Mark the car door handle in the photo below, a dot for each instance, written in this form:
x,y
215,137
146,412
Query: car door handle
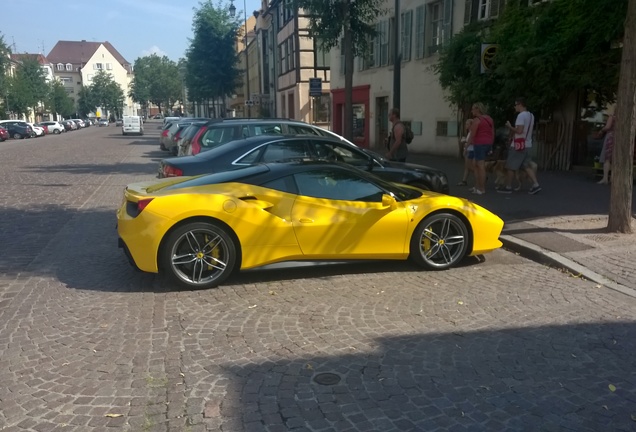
x,y
305,220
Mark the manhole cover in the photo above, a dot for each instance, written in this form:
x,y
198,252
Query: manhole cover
x,y
327,379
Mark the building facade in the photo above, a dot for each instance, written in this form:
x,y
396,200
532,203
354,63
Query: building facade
x,y
424,27
76,62
289,58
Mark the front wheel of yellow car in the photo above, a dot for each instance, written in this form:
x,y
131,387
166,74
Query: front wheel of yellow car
x,y
440,241
199,255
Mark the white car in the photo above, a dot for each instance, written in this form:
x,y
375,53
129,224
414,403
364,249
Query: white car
x,y
54,127
37,130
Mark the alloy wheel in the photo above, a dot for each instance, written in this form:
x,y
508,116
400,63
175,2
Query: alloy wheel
x,y
200,256
443,241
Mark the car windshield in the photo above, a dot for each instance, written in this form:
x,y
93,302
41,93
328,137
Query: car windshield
x,y
398,191
239,175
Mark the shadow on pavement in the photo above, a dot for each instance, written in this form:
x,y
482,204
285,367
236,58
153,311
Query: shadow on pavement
x,y
149,168
564,193
520,379
59,241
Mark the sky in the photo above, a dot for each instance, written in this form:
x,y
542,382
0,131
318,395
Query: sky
x,y
134,27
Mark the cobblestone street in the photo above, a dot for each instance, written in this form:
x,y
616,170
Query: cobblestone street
x,y
88,344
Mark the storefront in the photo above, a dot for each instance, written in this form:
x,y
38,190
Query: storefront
x,y
361,114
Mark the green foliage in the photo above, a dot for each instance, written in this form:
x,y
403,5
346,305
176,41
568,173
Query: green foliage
x,y
211,64
106,93
546,53
27,87
4,66
85,101
58,100
156,80
327,21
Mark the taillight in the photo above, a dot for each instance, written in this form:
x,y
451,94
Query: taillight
x,y
196,148
170,171
175,138
142,204
165,133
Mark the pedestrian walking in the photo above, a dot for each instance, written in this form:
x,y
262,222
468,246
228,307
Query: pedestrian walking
x,y
518,153
608,147
469,155
397,146
481,137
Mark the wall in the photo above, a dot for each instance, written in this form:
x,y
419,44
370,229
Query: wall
x,y
422,98
118,72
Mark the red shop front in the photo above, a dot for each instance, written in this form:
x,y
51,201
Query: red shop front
x,y
361,117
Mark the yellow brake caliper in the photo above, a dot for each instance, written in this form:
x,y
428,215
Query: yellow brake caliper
x,y
214,253
426,242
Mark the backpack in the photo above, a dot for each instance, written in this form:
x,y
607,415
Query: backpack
x,y
408,133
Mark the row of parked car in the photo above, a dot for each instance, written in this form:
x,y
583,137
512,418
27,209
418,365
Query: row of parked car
x,y
203,146
19,129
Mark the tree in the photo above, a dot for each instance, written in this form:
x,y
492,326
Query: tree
x,y
58,100
545,53
346,22
85,101
28,87
211,60
620,212
156,80
5,52
106,93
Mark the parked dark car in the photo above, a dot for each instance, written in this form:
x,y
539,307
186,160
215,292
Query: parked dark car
x,y
4,134
264,149
18,129
68,125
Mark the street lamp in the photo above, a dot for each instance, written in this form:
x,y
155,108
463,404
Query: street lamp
x,y
397,58
232,11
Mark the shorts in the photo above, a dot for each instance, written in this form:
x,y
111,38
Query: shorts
x,y
518,159
470,154
481,151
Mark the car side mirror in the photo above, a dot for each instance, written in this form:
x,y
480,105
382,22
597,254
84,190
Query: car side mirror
x,y
371,163
388,201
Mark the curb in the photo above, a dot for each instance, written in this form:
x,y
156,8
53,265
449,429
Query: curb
x,y
543,256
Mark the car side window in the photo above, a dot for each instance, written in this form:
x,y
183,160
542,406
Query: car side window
x,y
283,184
216,136
337,185
266,129
340,152
279,151
301,130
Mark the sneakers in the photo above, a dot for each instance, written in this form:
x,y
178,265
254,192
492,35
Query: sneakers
x,y
534,189
506,190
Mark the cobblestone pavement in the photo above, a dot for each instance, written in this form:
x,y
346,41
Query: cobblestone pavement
x,y
87,344
609,254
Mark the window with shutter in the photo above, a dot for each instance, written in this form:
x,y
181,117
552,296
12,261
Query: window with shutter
x,y
406,30
447,30
420,31
468,11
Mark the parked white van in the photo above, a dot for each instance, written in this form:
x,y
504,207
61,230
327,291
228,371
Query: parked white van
x,y
132,125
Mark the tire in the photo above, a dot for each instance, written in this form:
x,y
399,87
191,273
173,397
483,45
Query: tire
x,y
190,242
17,136
440,241
57,132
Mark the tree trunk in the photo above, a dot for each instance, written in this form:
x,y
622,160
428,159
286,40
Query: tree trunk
x,y
348,54
620,212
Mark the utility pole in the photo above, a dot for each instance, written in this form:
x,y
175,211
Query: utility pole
x,y
397,58
348,71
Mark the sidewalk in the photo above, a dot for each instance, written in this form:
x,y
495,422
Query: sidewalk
x,y
563,225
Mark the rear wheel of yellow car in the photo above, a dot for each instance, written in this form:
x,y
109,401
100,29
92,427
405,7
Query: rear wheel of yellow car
x,y
440,241
199,255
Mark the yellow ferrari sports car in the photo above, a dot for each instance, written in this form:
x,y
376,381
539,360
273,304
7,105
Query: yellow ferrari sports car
x,y
199,230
